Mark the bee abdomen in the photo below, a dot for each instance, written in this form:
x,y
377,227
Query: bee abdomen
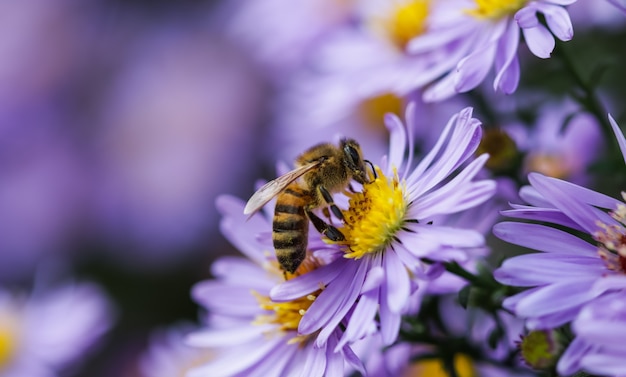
x,y
290,228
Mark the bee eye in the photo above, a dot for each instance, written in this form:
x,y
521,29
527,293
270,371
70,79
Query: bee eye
x,y
354,155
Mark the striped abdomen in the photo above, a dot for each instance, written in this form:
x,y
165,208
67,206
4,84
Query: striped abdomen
x,y
290,228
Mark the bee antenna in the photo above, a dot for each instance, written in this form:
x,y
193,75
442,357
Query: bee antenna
x,y
372,166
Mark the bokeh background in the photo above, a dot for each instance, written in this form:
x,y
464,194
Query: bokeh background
x,y
122,121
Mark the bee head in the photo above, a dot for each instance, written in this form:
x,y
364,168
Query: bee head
x,y
354,160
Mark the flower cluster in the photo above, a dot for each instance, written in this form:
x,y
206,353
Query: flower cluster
x,y
449,197
396,239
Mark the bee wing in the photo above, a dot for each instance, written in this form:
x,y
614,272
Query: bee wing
x,y
274,187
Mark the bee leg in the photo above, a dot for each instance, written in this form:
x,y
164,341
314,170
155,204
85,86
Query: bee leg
x,y
326,229
351,189
326,213
331,203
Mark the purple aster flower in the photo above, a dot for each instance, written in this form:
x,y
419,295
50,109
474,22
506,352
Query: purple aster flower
x,y
44,334
479,34
600,331
389,233
571,271
250,334
556,152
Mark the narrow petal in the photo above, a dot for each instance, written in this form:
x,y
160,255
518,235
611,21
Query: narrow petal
x,y
441,90
549,215
569,362
226,337
542,238
315,363
539,41
362,318
348,292
397,140
237,361
373,280
619,135
569,198
558,20
530,270
472,70
397,282
389,321
327,303
609,283
308,283
506,62
580,193
555,297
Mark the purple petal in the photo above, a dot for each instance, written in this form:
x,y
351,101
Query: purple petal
x,y
558,21
315,363
234,362
225,299
275,362
580,193
308,283
569,362
539,41
397,282
346,294
389,321
542,238
397,140
335,360
473,69
539,269
553,320
572,199
555,297
362,318
226,337
553,216
353,360
441,90
619,135
242,272
606,364
526,17
609,283
506,62
373,280
561,2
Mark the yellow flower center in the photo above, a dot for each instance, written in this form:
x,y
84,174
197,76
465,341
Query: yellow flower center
x,y
547,164
8,340
541,349
435,368
373,110
612,240
496,9
287,315
406,21
374,215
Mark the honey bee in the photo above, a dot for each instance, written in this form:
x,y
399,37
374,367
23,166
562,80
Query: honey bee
x,y
324,169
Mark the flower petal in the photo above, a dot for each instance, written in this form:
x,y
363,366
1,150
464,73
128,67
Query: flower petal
x,y
539,41
619,135
542,238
